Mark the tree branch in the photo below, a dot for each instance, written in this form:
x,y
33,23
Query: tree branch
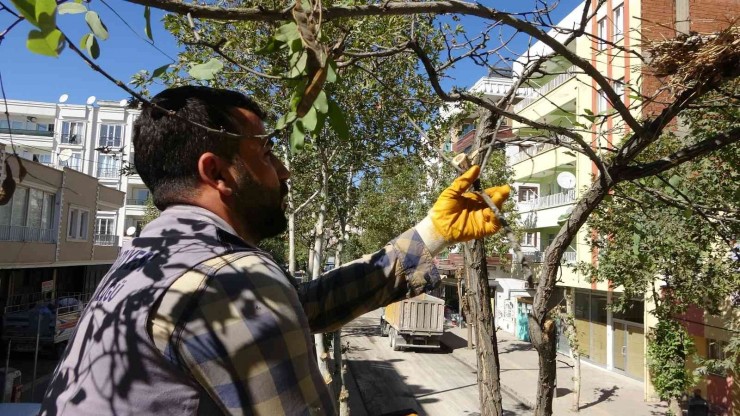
x,y
718,141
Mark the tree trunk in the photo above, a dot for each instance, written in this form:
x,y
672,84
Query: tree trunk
x,y
575,350
291,217
541,325
318,248
489,388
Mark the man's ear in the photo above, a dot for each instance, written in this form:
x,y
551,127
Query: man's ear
x,y
214,173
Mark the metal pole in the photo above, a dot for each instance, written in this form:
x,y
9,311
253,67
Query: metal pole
x,y
36,355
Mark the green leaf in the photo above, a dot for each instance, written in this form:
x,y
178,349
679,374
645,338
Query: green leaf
x,y
298,63
287,33
284,120
295,45
337,121
687,213
675,181
160,71
71,8
657,183
297,137
271,46
96,25
310,119
90,44
206,71
27,9
148,26
331,73
587,111
48,44
321,103
46,17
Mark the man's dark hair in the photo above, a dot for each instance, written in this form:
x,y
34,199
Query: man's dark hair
x,y
167,148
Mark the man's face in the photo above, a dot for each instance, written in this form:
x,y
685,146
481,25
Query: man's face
x,y
261,190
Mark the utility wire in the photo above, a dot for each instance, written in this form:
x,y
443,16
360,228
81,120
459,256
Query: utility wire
x,y
146,40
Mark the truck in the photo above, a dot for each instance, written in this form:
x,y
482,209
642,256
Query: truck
x,y
54,318
417,322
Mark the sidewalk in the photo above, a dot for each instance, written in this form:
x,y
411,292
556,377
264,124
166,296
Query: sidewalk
x,y
602,392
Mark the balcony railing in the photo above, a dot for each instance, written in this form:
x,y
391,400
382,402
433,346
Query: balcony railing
x,y
136,202
536,149
27,132
105,240
16,233
538,257
549,201
107,172
537,93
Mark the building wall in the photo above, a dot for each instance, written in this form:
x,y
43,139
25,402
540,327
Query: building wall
x,y
93,117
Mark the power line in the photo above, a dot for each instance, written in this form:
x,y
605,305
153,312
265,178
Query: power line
x,y
137,33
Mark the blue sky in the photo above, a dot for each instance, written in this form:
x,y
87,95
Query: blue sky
x,y
28,76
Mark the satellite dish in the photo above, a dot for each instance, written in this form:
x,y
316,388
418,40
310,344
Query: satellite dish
x,y
566,180
63,98
91,100
65,154
130,231
123,103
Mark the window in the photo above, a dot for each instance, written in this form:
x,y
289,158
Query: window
x,y
618,22
601,103
110,135
42,158
108,166
72,132
527,193
619,89
716,349
530,239
19,207
77,224
28,208
602,34
104,226
74,162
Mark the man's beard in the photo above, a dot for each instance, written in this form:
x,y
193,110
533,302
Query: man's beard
x,y
260,208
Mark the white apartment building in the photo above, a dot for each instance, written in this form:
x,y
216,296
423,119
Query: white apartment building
x,y
94,139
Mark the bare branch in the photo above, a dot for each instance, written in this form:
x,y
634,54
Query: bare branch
x,y
718,141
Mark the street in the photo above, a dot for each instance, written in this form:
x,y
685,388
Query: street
x,y
429,381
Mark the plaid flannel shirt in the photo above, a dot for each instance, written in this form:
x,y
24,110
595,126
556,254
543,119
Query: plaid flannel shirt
x,y
244,335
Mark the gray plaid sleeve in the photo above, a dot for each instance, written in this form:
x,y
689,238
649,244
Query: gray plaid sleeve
x,y
403,268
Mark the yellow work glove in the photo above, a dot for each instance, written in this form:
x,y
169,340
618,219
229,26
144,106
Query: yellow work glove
x,y
459,215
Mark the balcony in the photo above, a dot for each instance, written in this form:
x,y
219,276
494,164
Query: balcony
x,y
136,202
26,132
105,240
535,94
536,149
538,257
108,172
27,234
548,201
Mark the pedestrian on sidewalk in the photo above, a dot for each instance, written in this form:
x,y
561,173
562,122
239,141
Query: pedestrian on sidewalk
x,y
194,318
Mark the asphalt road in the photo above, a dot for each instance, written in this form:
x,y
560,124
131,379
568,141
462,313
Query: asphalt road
x,y
428,381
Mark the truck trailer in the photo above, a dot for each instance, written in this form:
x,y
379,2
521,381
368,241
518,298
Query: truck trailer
x,y
417,322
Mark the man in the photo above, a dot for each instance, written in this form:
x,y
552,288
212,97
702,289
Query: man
x,y
194,318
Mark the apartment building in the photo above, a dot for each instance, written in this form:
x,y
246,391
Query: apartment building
x,y
550,178
48,235
94,139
